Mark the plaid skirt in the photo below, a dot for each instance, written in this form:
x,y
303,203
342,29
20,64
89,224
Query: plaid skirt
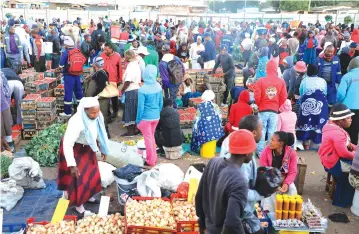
x,y
130,111
81,189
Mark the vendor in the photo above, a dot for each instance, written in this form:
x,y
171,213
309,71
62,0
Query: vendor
x,y
168,132
337,152
78,172
280,155
208,123
183,53
187,90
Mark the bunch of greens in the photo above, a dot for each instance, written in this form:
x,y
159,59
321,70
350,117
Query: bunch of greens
x,y
5,163
188,138
44,147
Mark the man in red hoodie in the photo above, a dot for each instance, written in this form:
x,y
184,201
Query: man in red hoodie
x,y
270,93
113,66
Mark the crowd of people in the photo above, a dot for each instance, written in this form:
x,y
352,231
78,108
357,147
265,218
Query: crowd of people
x,y
302,81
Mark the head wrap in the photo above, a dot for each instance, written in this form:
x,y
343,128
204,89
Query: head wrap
x,y
99,61
88,102
208,96
68,41
224,47
345,50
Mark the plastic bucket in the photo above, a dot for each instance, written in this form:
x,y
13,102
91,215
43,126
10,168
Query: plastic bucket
x,y
208,150
124,187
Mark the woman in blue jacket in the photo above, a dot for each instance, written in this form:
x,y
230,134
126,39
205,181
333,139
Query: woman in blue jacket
x,y
310,45
149,107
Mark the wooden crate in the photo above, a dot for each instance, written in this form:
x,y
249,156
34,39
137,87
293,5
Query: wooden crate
x,y
300,179
51,81
29,134
28,114
46,115
59,91
16,137
45,124
29,102
29,124
46,104
37,86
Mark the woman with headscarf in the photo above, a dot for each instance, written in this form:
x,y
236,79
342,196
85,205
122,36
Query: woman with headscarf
x,y
183,53
149,107
208,123
344,58
355,35
346,42
329,37
319,38
173,47
310,56
78,172
283,53
262,63
313,113
132,79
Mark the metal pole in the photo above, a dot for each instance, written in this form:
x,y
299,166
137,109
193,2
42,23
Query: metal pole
x,y
310,1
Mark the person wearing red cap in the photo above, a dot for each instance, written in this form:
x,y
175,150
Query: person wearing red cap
x,y
270,93
223,189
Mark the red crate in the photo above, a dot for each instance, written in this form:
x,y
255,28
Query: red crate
x,y
16,137
131,229
31,221
185,227
17,128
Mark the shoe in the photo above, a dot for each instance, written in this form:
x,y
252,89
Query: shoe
x,y
224,105
78,214
63,114
114,115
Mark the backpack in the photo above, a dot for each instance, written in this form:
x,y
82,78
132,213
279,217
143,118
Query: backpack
x,y
76,62
175,72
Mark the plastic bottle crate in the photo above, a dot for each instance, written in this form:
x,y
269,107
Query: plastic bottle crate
x,y
132,229
46,115
46,104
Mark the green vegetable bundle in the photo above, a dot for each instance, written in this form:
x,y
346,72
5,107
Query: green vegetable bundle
x,y
188,138
5,163
44,147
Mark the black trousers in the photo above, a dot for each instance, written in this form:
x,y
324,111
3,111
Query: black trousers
x,y
114,102
353,130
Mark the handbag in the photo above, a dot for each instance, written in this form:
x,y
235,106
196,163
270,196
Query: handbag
x,y
109,91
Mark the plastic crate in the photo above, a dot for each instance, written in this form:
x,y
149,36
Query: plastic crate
x,y
132,229
13,227
185,227
31,221
17,128
46,104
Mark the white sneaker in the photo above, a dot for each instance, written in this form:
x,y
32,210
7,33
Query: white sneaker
x,y
224,105
63,114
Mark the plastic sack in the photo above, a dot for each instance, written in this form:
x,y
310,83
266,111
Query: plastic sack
x,y
147,184
192,172
106,174
27,173
170,176
10,194
182,190
122,154
268,180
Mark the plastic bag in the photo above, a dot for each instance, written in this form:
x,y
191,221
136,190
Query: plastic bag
x,y
182,190
10,194
268,180
107,176
170,176
27,173
147,184
122,154
192,172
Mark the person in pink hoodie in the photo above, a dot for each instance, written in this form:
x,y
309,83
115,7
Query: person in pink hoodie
x,y
287,118
280,155
337,152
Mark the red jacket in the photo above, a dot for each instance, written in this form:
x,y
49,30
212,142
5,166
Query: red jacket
x,y
289,165
113,67
270,91
334,145
240,109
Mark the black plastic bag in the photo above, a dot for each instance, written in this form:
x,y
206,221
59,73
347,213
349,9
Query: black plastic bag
x,y
268,180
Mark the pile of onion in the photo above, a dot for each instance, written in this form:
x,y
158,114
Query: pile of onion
x,y
111,224
184,211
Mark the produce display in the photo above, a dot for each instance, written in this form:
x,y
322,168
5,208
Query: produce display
x,y
188,138
187,115
44,147
312,215
132,142
111,224
150,213
6,161
290,223
61,227
184,211
288,207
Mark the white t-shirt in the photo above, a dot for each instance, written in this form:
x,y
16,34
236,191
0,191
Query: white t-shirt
x,y
133,75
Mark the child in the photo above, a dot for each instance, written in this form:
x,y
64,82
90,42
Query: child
x,y
287,118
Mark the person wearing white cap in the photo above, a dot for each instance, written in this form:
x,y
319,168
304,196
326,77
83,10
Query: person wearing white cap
x,y
95,86
72,83
142,52
247,45
193,55
78,171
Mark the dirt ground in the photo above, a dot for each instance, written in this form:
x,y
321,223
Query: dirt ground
x,y
314,187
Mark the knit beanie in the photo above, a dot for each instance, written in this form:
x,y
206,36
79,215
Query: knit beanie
x,y
242,142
